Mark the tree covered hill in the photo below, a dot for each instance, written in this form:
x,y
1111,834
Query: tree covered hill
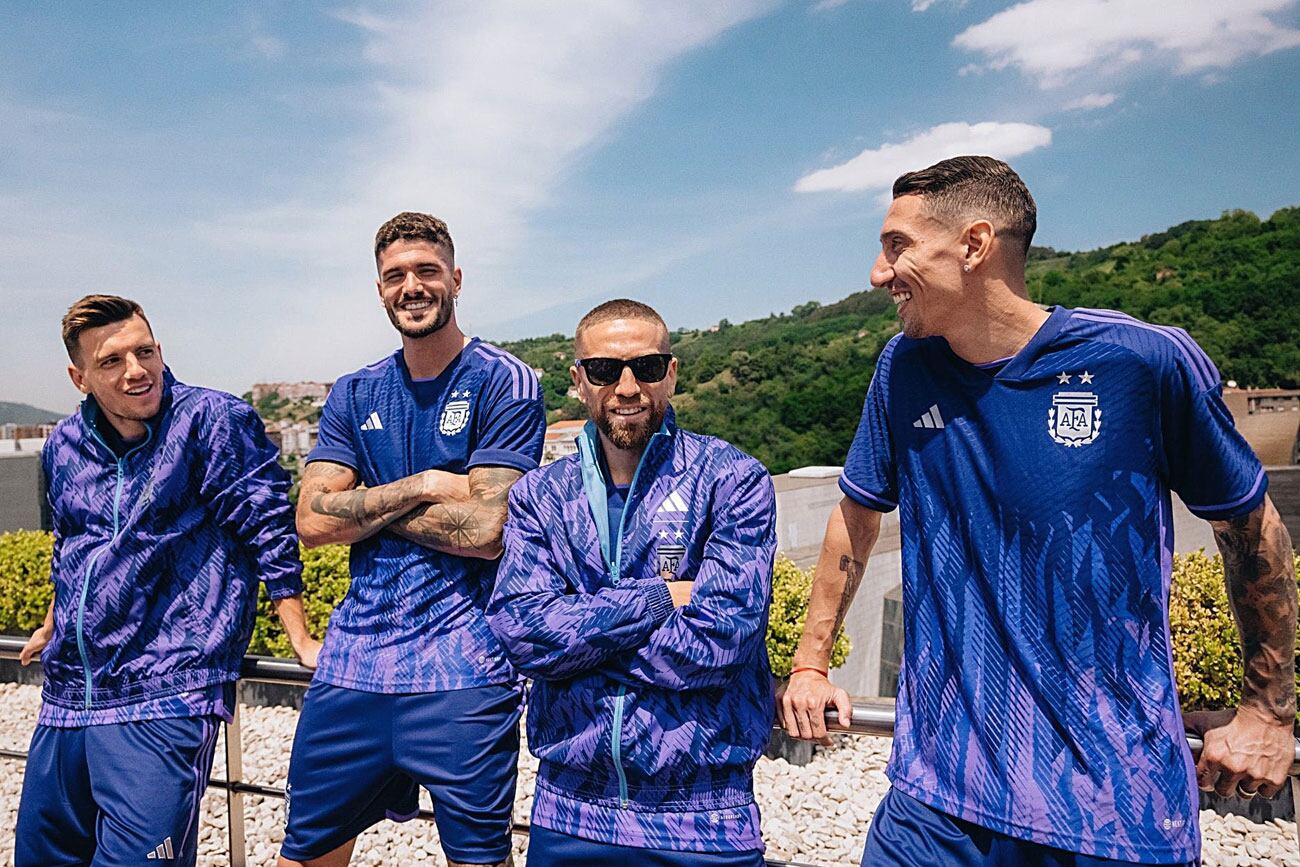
x,y
21,413
789,388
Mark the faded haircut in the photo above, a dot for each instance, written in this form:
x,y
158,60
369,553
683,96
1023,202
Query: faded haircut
x,y
972,187
413,226
622,308
92,312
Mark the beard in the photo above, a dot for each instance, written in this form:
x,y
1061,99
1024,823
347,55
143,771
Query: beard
x,y
631,437
440,318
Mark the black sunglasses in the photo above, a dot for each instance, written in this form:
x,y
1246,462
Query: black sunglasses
x,y
607,371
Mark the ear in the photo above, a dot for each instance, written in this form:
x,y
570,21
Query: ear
x,y
978,238
672,376
575,375
78,379
455,280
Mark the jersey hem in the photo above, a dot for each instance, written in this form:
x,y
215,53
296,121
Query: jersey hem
x,y
1078,845
409,687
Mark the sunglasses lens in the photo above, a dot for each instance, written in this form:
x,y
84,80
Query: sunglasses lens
x,y
603,371
650,368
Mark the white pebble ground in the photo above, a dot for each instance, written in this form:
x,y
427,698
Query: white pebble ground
x,y
817,814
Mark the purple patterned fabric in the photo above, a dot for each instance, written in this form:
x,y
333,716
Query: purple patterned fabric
x,y
647,719
217,700
157,554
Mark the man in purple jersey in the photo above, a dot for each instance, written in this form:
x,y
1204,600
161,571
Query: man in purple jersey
x,y
1032,454
169,508
415,456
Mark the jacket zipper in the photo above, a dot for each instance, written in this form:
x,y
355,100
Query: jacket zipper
x,y
616,733
90,563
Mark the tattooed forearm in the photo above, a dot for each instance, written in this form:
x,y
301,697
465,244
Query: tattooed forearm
x,y
1259,569
853,571
470,527
332,509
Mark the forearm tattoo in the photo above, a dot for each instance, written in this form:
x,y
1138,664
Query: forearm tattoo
x,y
471,526
1259,569
853,571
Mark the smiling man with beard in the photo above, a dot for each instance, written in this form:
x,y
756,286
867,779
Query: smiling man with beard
x,y
415,456
634,592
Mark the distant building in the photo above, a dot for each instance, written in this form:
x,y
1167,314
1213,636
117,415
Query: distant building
x,y
1269,419
25,431
293,438
561,440
314,391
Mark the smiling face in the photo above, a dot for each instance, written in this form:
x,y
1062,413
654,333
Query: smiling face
x,y
121,366
920,263
418,284
628,412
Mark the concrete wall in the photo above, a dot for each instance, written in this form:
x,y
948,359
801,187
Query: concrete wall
x,y
22,494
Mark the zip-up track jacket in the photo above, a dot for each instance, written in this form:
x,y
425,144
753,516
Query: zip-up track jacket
x,y
647,719
157,554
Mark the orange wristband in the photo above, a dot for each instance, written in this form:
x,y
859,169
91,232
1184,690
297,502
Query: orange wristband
x,y
795,671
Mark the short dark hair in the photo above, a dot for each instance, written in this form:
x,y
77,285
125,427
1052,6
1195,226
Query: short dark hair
x,y
413,226
621,308
92,312
976,187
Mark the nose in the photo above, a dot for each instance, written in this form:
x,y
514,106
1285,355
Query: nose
x,y
882,271
627,384
134,369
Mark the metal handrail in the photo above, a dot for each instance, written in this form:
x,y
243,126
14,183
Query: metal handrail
x,y
867,719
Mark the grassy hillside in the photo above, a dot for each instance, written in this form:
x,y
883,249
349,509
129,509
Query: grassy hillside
x,y
21,413
789,388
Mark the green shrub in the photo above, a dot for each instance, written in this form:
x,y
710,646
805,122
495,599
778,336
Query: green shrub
x,y
790,586
325,580
1207,649
25,586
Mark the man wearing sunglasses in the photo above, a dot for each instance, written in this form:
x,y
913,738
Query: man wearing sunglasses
x,y
634,591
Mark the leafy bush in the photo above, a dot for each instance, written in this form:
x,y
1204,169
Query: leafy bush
x,y
325,579
790,586
25,588
1207,649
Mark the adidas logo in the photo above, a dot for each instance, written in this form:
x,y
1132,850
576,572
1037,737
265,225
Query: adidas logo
x,y
372,423
931,419
164,851
674,503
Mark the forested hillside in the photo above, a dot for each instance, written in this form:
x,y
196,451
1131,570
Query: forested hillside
x,y
789,388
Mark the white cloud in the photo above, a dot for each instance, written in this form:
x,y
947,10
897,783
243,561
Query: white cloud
x,y
876,169
827,5
1054,40
1090,101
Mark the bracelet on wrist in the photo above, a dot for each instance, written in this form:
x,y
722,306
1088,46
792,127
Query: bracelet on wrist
x,y
820,671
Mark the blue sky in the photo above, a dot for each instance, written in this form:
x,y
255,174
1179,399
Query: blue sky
x,y
227,165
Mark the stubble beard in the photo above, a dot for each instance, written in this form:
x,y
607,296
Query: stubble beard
x,y
440,318
631,438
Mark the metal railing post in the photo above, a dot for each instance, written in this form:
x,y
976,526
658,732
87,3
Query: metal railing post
x,y
234,797
1295,803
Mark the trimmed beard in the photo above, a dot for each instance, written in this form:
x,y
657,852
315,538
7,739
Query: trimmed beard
x,y
629,438
441,318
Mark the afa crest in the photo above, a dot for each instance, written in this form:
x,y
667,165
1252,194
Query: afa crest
x,y
670,560
1074,419
455,415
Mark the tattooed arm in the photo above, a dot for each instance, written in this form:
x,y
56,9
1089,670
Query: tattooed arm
x,y
469,526
1255,746
332,509
850,535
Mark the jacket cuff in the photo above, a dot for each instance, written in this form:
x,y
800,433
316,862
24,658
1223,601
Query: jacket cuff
x,y
659,602
283,587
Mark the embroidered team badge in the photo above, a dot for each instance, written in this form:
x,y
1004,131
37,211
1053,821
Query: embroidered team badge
x,y
1074,419
670,560
455,414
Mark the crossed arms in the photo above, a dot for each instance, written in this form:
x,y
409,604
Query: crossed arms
x,y
454,514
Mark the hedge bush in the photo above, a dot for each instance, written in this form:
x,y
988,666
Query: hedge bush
x,y
1207,655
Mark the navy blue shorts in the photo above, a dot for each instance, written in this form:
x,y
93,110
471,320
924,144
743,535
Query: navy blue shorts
x,y
906,833
548,848
116,794
360,757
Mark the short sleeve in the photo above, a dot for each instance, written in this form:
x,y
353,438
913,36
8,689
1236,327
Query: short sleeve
x,y
512,423
334,440
870,475
1207,461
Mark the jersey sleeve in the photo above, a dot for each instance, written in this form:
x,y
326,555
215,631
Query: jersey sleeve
x,y
512,426
334,441
1207,461
870,473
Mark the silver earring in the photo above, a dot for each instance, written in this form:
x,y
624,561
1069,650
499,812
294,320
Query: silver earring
x,y
966,268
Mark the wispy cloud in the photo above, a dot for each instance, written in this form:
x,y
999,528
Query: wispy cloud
x,y
1054,40
1090,101
876,168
